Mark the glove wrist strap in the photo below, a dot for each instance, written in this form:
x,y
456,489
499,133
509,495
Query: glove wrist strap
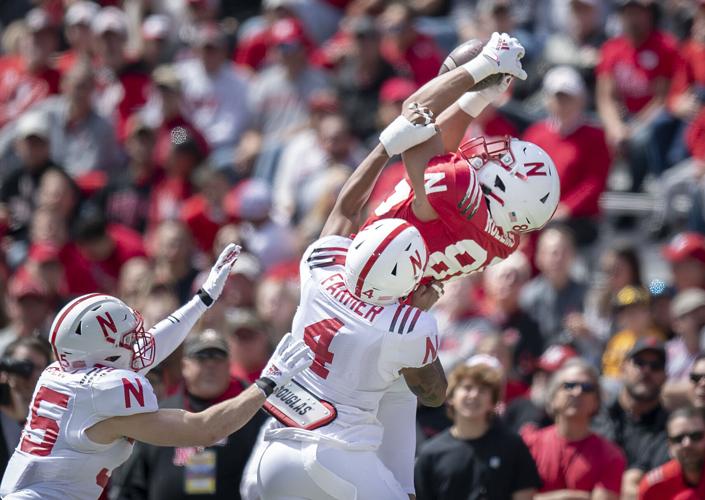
x,y
266,385
205,298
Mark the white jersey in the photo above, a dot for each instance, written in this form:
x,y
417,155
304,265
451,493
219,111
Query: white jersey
x,y
359,347
55,459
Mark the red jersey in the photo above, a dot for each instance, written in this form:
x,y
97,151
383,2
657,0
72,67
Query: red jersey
x,y
667,481
634,69
464,239
586,464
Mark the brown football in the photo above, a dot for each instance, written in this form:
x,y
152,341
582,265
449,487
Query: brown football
x,y
466,52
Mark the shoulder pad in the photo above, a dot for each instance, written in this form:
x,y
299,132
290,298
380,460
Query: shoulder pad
x,y
122,392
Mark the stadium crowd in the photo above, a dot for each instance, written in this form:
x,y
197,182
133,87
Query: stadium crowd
x,y
139,137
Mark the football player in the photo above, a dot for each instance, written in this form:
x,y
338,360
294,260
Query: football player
x,y
91,404
471,205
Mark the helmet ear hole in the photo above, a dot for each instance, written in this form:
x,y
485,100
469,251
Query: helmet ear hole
x,y
112,359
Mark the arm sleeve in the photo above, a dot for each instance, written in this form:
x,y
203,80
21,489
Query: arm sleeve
x,y
171,331
397,414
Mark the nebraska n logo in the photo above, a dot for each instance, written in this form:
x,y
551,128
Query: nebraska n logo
x,y
416,262
535,170
106,323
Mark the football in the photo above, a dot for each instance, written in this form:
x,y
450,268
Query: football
x,y
463,53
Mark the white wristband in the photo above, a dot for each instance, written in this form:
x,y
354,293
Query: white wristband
x,y
401,135
472,103
479,68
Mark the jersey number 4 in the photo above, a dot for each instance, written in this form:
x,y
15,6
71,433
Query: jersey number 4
x,y
318,337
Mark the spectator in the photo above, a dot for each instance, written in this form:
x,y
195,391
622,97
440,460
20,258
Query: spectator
x,y
410,52
216,93
636,420
633,75
250,344
59,193
554,295
180,473
495,347
502,285
360,75
278,297
203,212
697,383
125,197
19,186
14,404
633,317
29,309
81,139
250,203
531,410
157,41
682,477
571,458
135,282
122,84
31,77
171,251
300,177
77,30
686,254
578,149
106,247
688,317
478,455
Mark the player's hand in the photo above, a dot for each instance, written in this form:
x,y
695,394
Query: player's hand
x,y
502,54
289,358
473,103
414,126
220,271
425,296
418,115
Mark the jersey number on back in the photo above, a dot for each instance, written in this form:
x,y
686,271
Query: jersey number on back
x,y
47,423
318,337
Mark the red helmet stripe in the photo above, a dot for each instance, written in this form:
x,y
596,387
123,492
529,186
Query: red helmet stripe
x,y
375,255
52,339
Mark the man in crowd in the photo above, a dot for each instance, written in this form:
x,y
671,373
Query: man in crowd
x,y
478,454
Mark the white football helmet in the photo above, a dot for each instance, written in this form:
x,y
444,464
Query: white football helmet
x,y
385,262
519,180
98,329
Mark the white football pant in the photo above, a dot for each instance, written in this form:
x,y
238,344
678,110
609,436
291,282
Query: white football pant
x,y
296,470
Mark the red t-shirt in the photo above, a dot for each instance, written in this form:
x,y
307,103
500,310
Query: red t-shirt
x,y
198,216
583,465
20,88
634,69
163,144
422,58
691,69
667,481
582,160
463,239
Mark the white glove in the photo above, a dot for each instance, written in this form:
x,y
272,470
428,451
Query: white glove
x,y
290,358
401,134
474,102
220,271
502,54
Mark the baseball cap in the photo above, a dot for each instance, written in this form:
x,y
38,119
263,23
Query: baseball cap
x,y
648,344
81,13
165,76
287,32
487,360
244,323
33,123
207,339
251,199
43,252
684,246
554,357
110,19
156,27
38,19
687,301
209,35
396,89
563,80
630,296
23,285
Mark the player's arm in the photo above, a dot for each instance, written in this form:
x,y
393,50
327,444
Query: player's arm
x,y
428,383
170,427
171,331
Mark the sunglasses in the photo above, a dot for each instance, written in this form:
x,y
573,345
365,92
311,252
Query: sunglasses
x,y
694,437
654,366
214,354
696,377
586,387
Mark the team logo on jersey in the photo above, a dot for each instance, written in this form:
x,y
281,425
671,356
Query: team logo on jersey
x,y
431,349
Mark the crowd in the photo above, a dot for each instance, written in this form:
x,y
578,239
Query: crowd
x,y
138,138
